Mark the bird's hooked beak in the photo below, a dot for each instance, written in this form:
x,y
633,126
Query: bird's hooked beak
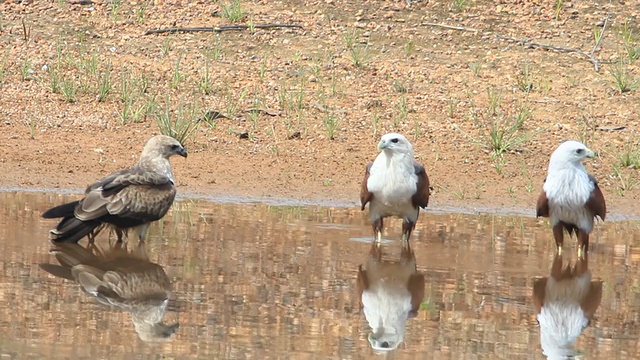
x,y
383,144
590,154
182,152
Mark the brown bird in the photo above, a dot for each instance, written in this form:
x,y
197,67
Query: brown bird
x,y
570,196
565,304
121,279
389,294
127,199
395,185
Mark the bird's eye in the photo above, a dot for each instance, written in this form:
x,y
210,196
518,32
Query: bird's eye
x,y
579,151
175,147
394,140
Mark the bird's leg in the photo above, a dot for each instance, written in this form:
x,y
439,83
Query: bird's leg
x,y
583,243
406,254
407,228
377,229
558,235
556,267
375,252
583,264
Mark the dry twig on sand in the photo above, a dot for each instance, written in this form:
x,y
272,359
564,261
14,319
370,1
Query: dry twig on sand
x,y
534,45
220,28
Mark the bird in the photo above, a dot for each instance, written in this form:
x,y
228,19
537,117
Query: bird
x,y
122,279
565,304
394,184
570,196
389,293
131,198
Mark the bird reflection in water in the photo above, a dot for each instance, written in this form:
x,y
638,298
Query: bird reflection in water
x,y
122,279
565,303
389,293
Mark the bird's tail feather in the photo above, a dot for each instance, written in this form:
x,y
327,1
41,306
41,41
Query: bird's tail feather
x,y
72,230
65,210
57,271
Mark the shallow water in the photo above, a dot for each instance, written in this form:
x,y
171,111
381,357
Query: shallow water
x,y
256,281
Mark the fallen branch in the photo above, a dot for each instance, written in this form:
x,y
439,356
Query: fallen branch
x,y
527,42
445,26
220,28
534,45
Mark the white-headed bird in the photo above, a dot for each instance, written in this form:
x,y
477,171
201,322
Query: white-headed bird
x,y
570,196
395,185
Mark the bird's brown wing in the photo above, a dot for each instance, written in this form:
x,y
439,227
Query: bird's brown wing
x,y
542,207
362,284
596,204
131,194
421,197
416,288
539,286
592,300
365,195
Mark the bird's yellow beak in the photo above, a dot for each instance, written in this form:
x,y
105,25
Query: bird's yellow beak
x,y
590,153
382,145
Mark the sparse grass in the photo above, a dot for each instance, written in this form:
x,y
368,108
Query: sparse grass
x,y
114,9
629,157
263,67
499,162
358,54
69,90
504,132
626,180
526,79
104,84
494,98
165,48
399,86
182,125
205,85
233,11
374,124
476,68
459,192
461,5
558,8
452,106
3,66
178,77
32,123
630,42
409,46
331,122
140,12
622,80
597,34
26,70
402,111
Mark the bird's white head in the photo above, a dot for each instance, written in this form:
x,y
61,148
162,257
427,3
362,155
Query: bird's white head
x,y
394,143
384,340
570,153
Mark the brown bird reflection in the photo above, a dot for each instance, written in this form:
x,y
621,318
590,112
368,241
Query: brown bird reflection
x,y
389,293
119,278
565,303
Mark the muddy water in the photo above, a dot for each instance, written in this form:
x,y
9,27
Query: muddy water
x,y
254,281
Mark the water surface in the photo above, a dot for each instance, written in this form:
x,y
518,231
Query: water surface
x,y
257,281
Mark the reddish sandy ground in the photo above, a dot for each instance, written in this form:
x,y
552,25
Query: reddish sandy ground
x,y
356,70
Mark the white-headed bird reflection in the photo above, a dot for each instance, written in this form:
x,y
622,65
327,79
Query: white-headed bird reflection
x,y
122,279
565,303
389,293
